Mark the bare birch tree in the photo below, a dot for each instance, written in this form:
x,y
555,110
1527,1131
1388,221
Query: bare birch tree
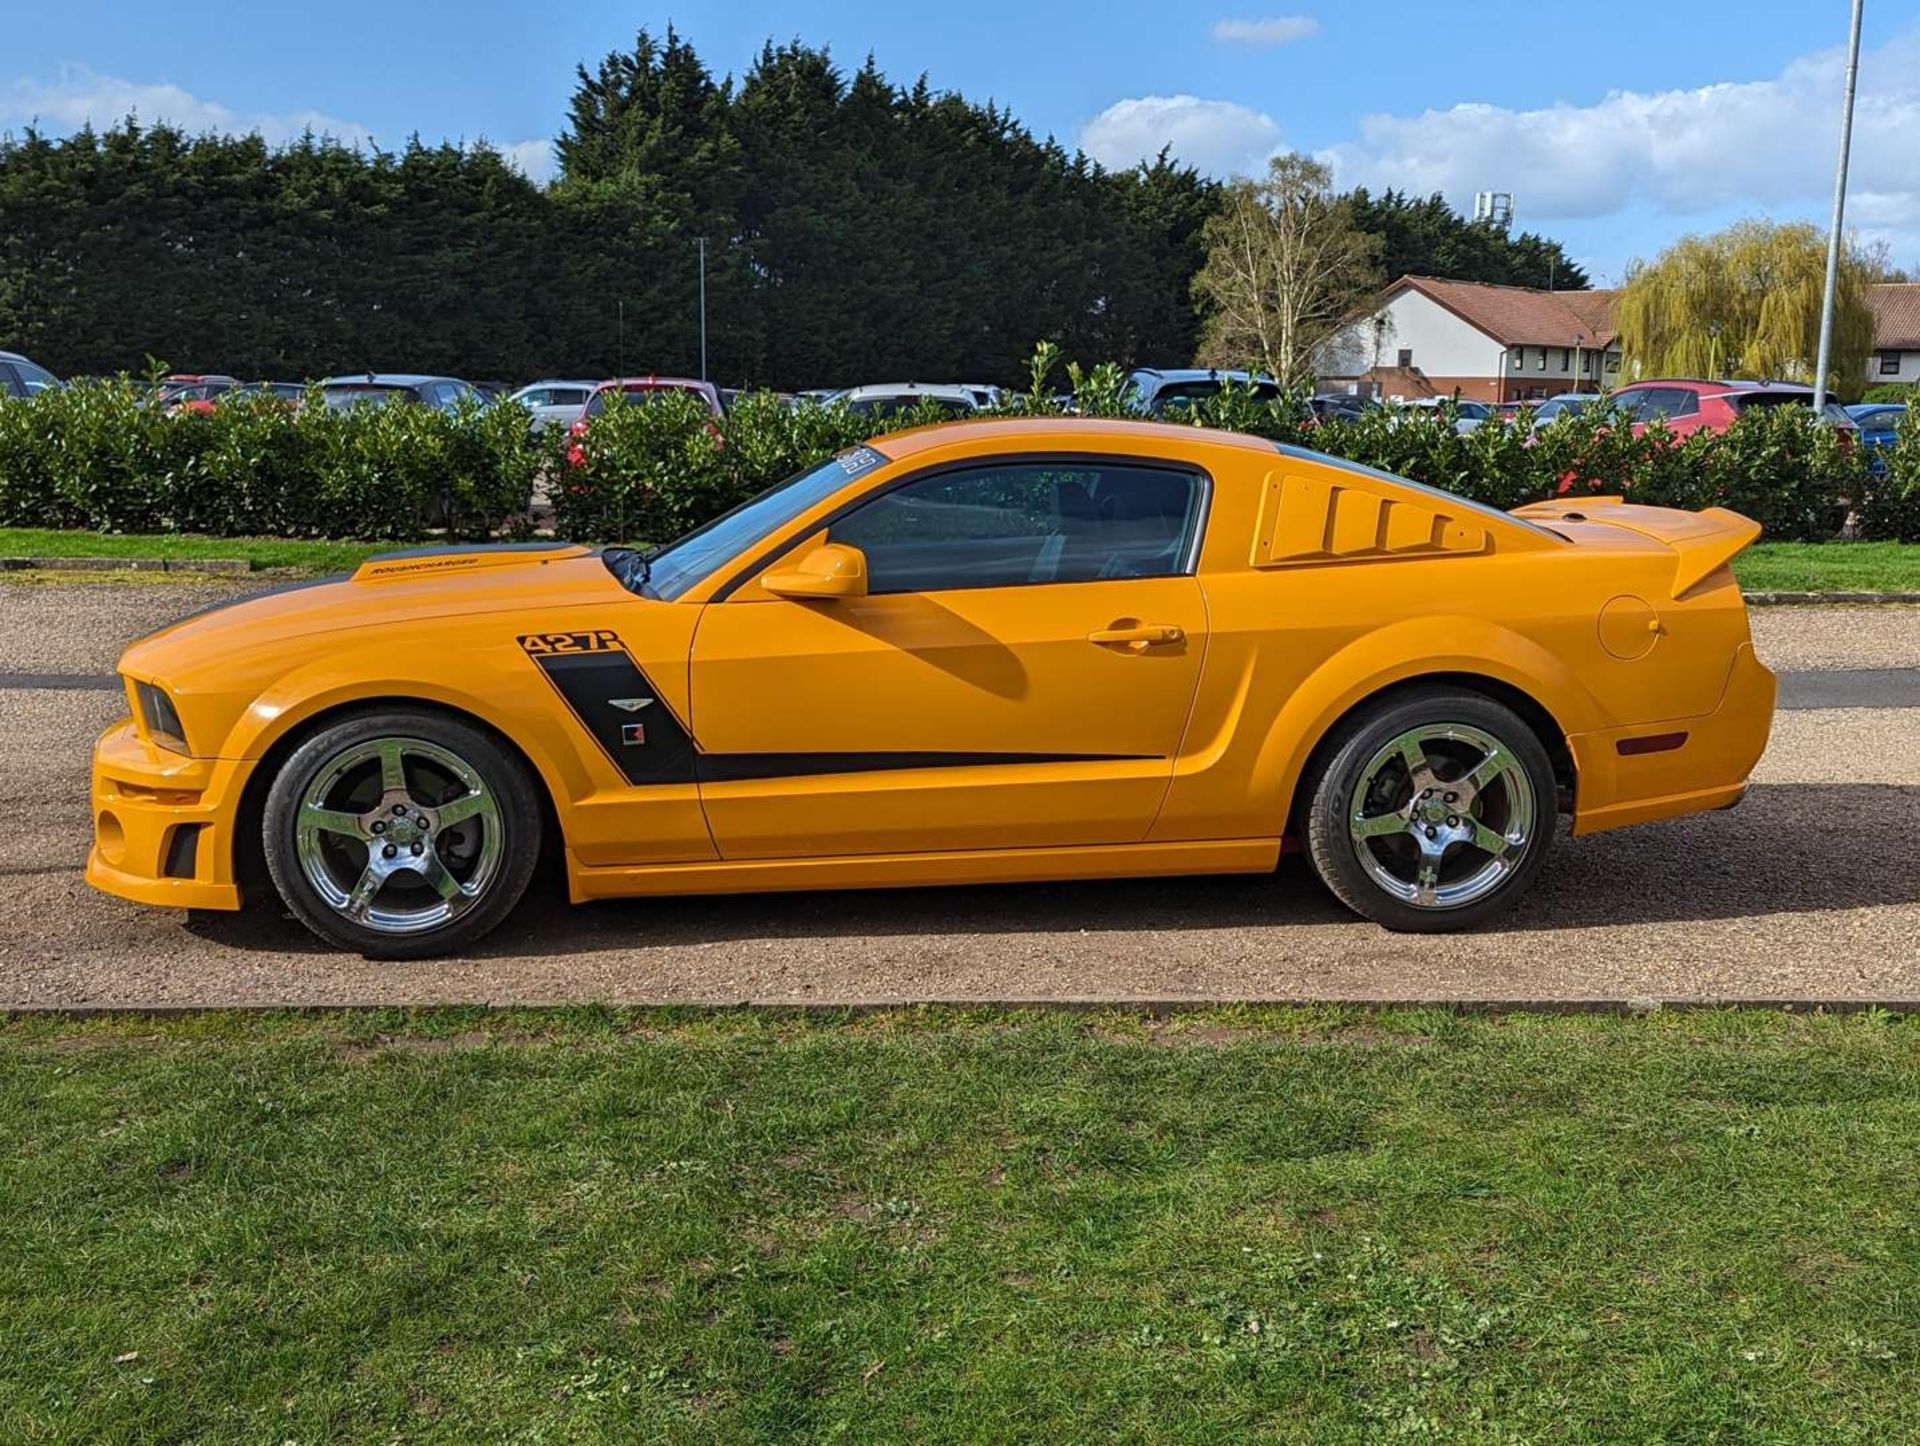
x,y
1286,268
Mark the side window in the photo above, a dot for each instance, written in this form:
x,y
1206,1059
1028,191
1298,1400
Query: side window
x,y
1666,402
1023,523
10,384
33,379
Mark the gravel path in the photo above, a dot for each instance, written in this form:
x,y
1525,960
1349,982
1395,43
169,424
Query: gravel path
x,y
1811,890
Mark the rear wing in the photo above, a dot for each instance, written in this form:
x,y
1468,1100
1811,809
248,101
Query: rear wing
x,y
1702,542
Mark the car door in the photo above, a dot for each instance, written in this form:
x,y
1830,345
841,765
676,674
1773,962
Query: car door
x,y
1018,673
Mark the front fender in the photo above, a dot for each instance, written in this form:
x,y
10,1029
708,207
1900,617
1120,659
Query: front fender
x,y
491,684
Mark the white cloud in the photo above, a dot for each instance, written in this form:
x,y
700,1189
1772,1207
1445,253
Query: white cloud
x,y
533,159
80,96
1754,144
1274,30
1216,136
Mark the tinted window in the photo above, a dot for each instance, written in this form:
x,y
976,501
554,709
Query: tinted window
x,y
1011,525
32,379
893,406
355,393
1658,402
1185,394
10,384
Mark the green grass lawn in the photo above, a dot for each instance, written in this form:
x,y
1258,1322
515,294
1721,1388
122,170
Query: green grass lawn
x,y
1770,566
1305,1226
260,551
1830,567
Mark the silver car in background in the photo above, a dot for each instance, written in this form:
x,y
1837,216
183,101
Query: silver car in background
x,y
21,378
555,402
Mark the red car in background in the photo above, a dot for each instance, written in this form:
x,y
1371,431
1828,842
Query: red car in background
x,y
640,387
1692,406
193,391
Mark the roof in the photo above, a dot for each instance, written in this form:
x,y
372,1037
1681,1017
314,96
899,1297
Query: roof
x,y
640,384
1199,374
1062,432
1896,315
946,391
383,379
1520,315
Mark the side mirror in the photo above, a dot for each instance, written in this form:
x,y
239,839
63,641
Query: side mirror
x,y
829,571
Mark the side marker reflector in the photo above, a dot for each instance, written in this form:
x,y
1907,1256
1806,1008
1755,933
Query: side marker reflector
x,y
1649,743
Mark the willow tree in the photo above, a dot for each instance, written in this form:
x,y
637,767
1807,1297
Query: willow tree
x,y
1745,302
1286,267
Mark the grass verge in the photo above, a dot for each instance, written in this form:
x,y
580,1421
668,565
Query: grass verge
x,y
1830,567
262,552
1767,567
1302,1225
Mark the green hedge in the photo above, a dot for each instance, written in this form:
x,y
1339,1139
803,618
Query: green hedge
x,y
96,456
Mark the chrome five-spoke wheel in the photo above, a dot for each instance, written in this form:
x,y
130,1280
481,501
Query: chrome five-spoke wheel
x,y
401,834
1441,814
1430,809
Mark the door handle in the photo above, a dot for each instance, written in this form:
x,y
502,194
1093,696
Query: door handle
x,y
1139,637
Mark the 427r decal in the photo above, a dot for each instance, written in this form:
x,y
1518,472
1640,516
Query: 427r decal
x,y
542,645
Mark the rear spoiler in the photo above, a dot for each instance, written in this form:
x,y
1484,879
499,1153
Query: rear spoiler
x,y
1703,542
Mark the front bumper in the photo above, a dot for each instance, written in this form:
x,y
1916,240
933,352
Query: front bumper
x,y
163,823
1707,771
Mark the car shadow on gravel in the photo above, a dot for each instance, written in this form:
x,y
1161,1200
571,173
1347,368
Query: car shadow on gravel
x,y
1790,848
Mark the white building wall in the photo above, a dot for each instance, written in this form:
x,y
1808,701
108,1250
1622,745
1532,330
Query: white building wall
x,y
1909,369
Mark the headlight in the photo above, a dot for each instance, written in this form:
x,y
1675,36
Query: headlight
x,y
161,718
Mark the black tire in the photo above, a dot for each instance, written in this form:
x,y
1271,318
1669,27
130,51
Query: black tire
x,y
496,846
1350,759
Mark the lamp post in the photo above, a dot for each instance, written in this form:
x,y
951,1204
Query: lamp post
x,y
703,306
1839,211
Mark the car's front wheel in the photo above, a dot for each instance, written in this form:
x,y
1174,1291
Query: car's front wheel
x,y
401,834
1431,811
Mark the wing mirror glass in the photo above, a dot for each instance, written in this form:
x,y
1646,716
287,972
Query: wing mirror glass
x,y
829,571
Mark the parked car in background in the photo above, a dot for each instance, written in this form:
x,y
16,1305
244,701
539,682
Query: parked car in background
x,y
635,390
408,388
985,393
1879,424
193,392
1687,405
1336,407
21,378
554,403
1467,414
1152,390
1566,404
889,399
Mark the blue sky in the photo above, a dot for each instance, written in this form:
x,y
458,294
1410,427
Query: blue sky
x,y
1616,129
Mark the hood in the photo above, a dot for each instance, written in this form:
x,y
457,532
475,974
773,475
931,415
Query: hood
x,y
386,591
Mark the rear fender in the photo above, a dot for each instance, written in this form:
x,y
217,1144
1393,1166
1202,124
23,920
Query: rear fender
x,y
1404,652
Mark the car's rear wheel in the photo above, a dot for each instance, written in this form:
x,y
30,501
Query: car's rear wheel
x,y
1431,811
401,834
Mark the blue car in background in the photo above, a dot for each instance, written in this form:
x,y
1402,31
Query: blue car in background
x,y
1878,422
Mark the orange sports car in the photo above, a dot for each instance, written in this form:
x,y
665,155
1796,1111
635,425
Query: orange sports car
x,y
983,651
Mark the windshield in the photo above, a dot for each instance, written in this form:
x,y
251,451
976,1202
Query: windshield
x,y
356,393
679,565
1747,401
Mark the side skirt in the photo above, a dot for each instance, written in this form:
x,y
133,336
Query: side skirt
x,y
896,871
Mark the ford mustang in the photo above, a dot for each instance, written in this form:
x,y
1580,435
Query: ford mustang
x,y
982,651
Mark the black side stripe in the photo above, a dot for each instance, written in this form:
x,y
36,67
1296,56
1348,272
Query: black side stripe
x,y
735,767
590,681
649,744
